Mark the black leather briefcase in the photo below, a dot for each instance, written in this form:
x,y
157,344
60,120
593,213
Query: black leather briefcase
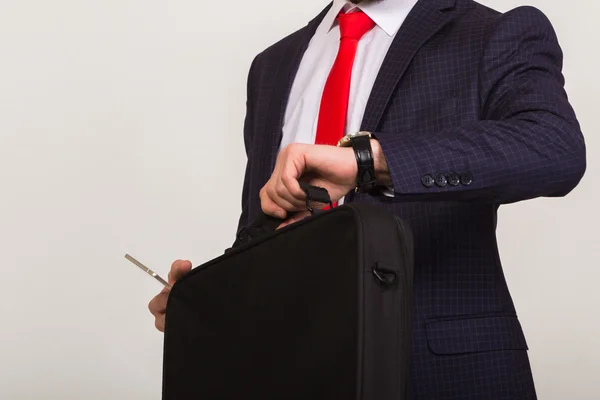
x,y
318,310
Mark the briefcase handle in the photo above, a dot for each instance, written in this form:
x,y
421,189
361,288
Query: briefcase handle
x,y
266,224
315,194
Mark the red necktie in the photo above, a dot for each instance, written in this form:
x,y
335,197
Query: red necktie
x,y
334,103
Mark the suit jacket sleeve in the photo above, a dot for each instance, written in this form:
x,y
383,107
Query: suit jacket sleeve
x,y
527,143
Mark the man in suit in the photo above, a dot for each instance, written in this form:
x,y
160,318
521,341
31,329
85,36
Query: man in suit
x,y
461,109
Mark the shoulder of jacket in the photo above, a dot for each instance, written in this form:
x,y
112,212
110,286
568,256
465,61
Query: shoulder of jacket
x,y
275,51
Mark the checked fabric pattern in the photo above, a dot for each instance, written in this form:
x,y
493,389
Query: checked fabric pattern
x,y
471,113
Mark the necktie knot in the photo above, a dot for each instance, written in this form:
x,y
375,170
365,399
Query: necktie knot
x,y
354,25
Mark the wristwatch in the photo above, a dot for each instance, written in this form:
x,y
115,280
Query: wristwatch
x,y
361,143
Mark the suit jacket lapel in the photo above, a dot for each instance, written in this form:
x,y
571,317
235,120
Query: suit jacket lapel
x,y
284,78
426,18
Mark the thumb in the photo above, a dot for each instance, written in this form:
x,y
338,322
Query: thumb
x,y
297,217
178,269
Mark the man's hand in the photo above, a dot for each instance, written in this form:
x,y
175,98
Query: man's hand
x,y
158,305
330,167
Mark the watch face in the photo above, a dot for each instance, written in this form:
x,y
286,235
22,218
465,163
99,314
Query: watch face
x,y
346,141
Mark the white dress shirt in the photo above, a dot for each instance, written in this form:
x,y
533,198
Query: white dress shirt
x,y
302,112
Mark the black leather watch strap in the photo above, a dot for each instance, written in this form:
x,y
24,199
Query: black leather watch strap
x,y
365,180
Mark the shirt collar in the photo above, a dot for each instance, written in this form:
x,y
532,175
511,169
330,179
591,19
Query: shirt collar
x,y
388,14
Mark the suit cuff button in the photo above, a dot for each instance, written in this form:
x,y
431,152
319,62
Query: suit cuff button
x,y
428,181
466,178
453,179
441,180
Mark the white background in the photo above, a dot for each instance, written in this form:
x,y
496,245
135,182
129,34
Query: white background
x,y
121,131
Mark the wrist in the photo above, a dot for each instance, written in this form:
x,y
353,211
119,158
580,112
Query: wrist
x,y
382,174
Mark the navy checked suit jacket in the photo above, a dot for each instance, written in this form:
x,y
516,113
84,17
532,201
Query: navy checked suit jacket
x,y
470,110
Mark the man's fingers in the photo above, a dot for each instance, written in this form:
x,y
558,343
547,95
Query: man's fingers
x,y
178,269
292,186
269,207
158,305
282,196
289,188
298,217
159,322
